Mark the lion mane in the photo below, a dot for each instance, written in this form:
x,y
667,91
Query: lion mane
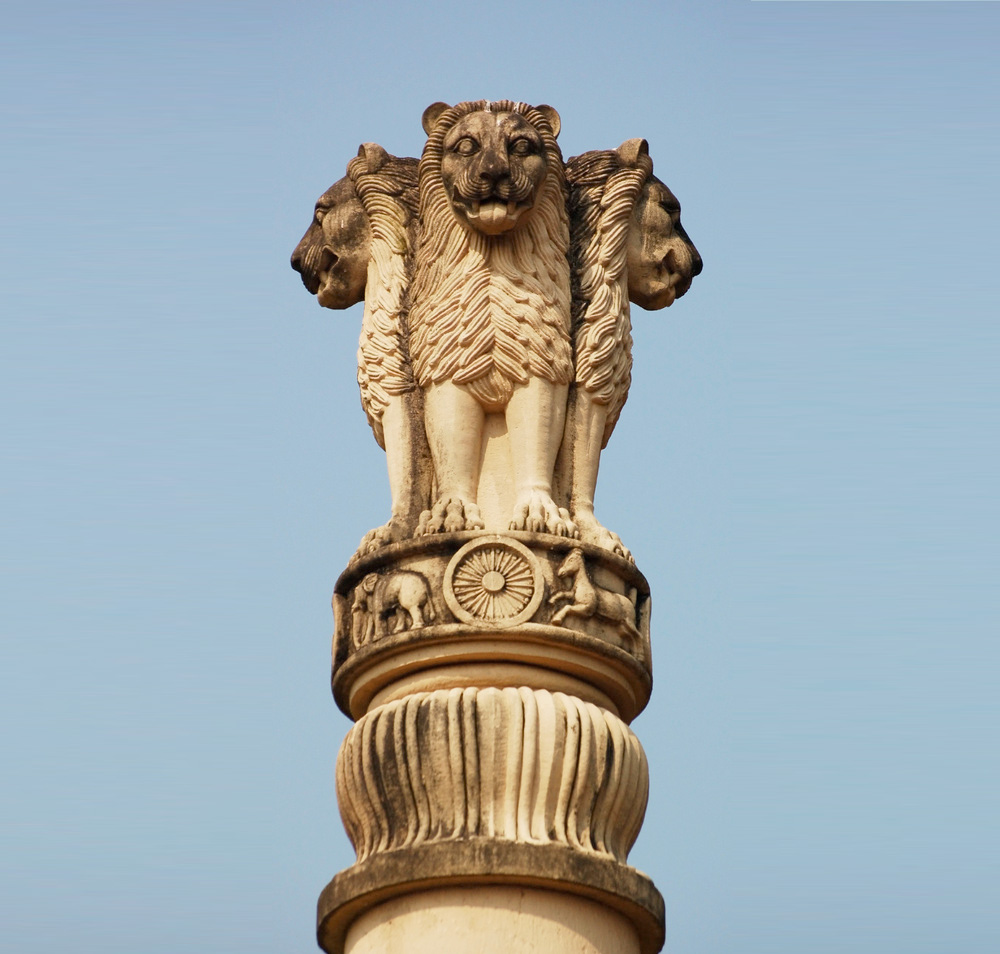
x,y
491,312
604,187
387,188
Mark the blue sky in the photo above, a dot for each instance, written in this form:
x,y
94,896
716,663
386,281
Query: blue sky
x,y
806,470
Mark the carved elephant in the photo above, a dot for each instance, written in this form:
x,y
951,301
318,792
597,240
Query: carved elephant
x,y
402,596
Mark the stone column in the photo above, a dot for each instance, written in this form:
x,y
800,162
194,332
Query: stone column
x,y
491,785
492,638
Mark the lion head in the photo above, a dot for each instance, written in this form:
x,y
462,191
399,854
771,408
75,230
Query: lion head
x,y
332,256
489,303
662,260
493,161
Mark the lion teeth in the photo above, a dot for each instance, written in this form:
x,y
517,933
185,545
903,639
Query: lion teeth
x,y
475,207
512,207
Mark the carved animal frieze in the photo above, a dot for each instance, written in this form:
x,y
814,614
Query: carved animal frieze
x,y
487,581
513,764
583,598
385,605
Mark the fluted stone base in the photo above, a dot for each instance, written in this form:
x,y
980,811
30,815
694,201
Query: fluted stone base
x,y
517,765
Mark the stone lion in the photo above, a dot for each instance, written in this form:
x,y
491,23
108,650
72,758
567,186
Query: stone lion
x,y
359,246
496,283
490,305
627,243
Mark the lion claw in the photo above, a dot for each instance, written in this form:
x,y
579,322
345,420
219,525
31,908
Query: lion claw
x,y
449,515
620,549
537,512
593,532
391,532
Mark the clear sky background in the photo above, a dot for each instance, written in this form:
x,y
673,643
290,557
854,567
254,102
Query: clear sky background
x,y
806,470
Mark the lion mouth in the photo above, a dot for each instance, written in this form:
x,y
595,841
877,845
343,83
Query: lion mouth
x,y
315,268
679,275
327,260
325,291
495,214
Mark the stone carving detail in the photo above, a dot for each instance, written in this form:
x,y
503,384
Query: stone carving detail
x,y
473,312
512,764
360,246
494,360
490,622
490,312
402,597
584,598
497,581
626,243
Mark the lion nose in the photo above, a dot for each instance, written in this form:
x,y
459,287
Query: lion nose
x,y
297,259
493,167
696,262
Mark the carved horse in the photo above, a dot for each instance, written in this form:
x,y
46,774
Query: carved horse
x,y
585,599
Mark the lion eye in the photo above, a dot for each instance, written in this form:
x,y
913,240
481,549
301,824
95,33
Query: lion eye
x,y
466,146
521,147
319,216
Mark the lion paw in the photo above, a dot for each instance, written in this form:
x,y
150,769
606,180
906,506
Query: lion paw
x,y
593,532
391,532
538,513
449,515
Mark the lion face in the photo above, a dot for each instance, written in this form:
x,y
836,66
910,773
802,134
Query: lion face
x,y
662,260
492,168
332,257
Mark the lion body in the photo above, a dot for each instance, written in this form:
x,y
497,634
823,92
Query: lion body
x,y
388,196
360,246
603,191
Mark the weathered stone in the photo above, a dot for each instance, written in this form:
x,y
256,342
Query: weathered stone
x,y
491,919
485,862
512,609
491,368
512,764
493,638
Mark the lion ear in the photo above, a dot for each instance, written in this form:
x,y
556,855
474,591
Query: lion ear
x,y
374,155
431,115
552,117
631,150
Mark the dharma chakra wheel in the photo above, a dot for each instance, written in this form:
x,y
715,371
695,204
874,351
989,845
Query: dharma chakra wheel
x,y
495,580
